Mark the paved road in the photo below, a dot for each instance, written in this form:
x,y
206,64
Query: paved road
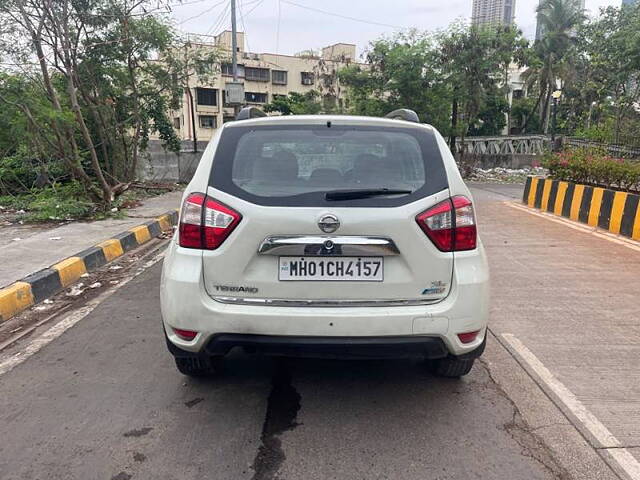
x,y
104,401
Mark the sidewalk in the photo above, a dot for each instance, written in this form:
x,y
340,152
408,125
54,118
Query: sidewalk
x,y
38,248
565,304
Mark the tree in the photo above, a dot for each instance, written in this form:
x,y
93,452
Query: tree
x,y
608,82
492,118
402,72
296,104
520,116
474,63
455,80
95,62
554,52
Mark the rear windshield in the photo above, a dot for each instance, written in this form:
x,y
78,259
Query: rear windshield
x,y
296,165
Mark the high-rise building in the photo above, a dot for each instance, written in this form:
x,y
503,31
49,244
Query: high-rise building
x,y
539,27
493,12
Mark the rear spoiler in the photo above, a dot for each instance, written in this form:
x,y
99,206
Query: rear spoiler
x,y
248,113
403,114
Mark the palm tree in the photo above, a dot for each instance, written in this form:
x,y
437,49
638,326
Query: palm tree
x,y
558,21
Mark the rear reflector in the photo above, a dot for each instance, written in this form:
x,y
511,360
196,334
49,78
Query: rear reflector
x,y
205,223
468,337
451,224
185,334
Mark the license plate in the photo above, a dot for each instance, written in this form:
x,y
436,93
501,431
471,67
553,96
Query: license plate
x,y
359,269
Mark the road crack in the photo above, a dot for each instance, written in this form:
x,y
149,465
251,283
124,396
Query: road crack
x,y
532,445
282,409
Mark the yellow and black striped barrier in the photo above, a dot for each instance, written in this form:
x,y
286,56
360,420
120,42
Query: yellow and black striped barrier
x,y
43,284
617,212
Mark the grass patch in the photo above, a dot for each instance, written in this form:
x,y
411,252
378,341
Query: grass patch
x,y
68,202
64,202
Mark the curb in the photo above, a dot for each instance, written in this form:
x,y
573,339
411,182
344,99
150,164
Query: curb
x,y
41,285
611,210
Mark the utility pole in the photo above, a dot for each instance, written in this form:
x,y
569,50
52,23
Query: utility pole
x,y
234,89
234,48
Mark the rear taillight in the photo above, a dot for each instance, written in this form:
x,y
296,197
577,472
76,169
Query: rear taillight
x,y
205,223
451,225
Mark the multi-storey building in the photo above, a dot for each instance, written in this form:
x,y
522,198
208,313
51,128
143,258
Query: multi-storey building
x,y
265,76
493,12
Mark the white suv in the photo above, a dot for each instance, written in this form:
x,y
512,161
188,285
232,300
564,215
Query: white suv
x,y
329,236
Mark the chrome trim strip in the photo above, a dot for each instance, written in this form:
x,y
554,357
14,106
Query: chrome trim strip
x,y
280,302
310,245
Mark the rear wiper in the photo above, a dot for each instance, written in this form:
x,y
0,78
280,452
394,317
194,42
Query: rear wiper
x,y
363,193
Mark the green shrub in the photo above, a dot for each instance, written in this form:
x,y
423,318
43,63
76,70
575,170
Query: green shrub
x,y
23,170
592,167
61,202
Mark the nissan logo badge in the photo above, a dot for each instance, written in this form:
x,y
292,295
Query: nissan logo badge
x,y
329,223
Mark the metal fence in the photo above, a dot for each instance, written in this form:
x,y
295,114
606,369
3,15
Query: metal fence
x,y
621,151
537,145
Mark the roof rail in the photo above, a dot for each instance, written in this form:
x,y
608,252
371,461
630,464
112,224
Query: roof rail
x,y
403,114
248,113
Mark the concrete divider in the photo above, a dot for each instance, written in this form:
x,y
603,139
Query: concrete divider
x,y
617,212
43,284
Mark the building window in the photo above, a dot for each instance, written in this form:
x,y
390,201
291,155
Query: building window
x,y
256,74
253,97
307,78
176,122
518,94
208,121
207,96
227,69
279,77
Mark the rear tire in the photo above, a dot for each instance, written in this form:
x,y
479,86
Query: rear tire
x,y
451,367
456,367
198,366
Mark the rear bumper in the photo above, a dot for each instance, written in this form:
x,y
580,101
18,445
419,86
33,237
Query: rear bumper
x,y
327,347
186,305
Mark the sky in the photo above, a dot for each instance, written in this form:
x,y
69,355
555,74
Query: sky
x,y
308,28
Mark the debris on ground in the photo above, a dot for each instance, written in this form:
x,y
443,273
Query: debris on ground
x,y
93,284
505,175
76,290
